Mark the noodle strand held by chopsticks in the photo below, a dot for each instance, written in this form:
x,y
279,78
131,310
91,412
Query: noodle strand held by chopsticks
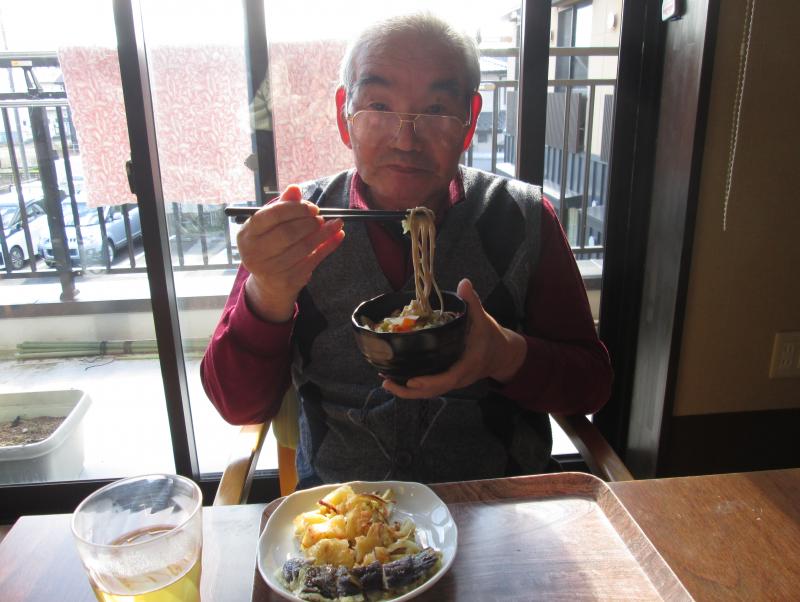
x,y
422,230
418,314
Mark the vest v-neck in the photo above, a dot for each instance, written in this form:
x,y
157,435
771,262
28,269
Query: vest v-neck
x,y
448,235
390,247
357,241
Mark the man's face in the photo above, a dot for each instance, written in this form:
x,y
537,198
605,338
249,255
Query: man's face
x,y
407,74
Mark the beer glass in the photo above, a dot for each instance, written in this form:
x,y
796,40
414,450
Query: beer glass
x,y
140,539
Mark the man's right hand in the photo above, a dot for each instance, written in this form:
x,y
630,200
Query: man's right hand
x,y
281,245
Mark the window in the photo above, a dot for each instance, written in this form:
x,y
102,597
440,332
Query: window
x,y
76,295
78,340
583,67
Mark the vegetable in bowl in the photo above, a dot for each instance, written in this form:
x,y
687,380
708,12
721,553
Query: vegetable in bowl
x,y
410,318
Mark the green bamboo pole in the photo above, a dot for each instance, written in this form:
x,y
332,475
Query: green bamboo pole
x,y
138,348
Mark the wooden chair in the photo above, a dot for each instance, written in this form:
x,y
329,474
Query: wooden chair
x,y
234,487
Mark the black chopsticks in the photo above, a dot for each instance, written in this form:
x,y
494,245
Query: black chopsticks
x,y
241,213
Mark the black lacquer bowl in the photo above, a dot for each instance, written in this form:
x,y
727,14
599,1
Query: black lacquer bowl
x,y
403,355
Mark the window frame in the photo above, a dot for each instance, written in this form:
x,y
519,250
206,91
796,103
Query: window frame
x,y
641,54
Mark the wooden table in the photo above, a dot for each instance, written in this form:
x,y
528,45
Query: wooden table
x,y
39,561
727,537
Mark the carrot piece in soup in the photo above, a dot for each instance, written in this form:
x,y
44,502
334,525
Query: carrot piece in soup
x,y
406,325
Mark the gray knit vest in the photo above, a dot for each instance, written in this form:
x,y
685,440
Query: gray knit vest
x,y
351,428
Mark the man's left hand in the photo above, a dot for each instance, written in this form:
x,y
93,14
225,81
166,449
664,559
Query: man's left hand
x,y
490,351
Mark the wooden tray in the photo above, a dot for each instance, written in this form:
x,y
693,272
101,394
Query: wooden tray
x,y
562,536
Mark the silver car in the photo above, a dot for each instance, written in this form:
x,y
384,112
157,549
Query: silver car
x,y
14,231
94,239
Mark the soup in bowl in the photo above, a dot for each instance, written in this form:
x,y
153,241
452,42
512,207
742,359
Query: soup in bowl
x,y
401,347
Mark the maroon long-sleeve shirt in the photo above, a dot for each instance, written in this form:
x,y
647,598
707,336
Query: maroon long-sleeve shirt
x,y
245,370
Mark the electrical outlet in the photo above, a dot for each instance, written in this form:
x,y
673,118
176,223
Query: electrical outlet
x,y
785,355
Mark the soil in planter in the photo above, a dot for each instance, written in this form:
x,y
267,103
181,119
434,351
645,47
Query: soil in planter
x,y
22,431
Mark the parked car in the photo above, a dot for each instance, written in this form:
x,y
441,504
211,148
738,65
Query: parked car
x,y
15,232
234,232
115,237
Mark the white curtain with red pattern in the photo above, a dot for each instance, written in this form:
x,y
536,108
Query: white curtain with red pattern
x,y
200,100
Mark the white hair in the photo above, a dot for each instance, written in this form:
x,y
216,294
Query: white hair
x,y
423,24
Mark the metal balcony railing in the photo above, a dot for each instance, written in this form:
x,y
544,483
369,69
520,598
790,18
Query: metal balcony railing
x,y
578,193
106,239
91,239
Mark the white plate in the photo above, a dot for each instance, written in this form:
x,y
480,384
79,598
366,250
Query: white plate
x,y
435,528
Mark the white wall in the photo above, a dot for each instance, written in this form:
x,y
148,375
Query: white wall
x,y
100,327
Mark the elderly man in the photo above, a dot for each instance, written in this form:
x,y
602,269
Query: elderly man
x,y
407,107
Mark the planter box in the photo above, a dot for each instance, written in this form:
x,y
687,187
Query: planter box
x,y
59,457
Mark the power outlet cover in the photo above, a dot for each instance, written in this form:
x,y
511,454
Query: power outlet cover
x,y
785,355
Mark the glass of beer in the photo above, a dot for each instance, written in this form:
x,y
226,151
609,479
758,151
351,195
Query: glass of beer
x,y
140,539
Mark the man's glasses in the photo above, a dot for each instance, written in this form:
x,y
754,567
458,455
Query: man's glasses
x,y
385,125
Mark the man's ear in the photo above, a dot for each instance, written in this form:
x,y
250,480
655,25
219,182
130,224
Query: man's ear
x,y
341,116
475,104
